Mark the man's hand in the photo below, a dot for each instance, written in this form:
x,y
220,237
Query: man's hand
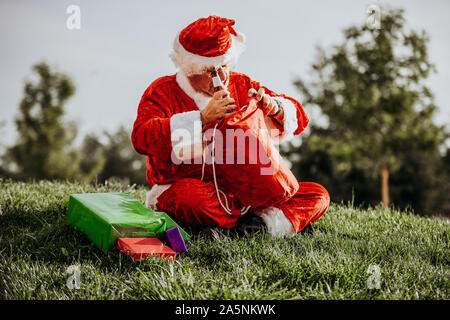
x,y
269,105
220,105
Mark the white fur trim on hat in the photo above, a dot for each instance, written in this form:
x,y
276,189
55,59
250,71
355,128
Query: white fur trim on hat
x,y
192,63
276,222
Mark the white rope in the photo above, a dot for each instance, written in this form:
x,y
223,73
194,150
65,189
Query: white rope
x,y
203,159
225,207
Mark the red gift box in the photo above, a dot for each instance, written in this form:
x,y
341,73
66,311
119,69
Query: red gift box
x,y
141,248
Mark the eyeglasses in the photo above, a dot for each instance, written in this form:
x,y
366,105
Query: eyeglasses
x,y
222,68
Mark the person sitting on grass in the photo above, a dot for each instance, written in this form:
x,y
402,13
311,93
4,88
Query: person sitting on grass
x,y
187,101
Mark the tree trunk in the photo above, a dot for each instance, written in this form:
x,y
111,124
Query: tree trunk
x,y
385,184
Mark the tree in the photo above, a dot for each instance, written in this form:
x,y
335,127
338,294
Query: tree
x,y
110,156
380,114
121,161
42,150
92,157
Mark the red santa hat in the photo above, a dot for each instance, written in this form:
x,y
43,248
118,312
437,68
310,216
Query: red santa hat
x,y
207,42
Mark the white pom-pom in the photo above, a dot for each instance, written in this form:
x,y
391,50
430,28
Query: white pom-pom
x,y
241,37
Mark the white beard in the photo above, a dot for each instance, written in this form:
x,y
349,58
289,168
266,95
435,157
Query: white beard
x,y
199,98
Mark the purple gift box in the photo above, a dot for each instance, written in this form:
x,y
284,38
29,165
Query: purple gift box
x,y
176,240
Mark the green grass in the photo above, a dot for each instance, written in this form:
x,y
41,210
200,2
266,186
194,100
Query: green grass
x,y
37,246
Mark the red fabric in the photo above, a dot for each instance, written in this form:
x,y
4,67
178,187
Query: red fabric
x,y
307,206
194,202
189,199
208,37
151,130
301,115
141,248
249,165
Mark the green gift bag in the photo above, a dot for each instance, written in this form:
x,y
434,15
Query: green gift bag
x,y
105,217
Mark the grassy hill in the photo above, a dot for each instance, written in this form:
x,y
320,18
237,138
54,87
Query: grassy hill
x,y
37,246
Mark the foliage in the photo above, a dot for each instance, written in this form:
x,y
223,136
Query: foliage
x,y
114,159
371,90
44,147
37,246
122,161
92,157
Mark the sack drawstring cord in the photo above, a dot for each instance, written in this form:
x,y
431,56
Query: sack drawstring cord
x,y
219,192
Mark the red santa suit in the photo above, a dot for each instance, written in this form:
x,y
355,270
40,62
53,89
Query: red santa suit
x,y
170,105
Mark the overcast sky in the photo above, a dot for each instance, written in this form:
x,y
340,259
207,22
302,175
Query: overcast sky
x,y
123,46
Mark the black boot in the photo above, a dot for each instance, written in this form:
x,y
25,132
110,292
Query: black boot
x,y
307,230
249,224
245,226
214,233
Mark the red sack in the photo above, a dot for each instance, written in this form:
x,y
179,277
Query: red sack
x,y
246,163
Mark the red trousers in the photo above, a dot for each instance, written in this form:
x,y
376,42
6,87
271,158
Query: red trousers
x,y
194,202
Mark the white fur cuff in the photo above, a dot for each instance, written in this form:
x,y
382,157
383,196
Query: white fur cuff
x,y
276,222
290,119
186,136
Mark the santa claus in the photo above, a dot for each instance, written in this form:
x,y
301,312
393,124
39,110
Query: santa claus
x,y
187,101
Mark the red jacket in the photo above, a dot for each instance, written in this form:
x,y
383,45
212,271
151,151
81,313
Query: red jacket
x,y
165,106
